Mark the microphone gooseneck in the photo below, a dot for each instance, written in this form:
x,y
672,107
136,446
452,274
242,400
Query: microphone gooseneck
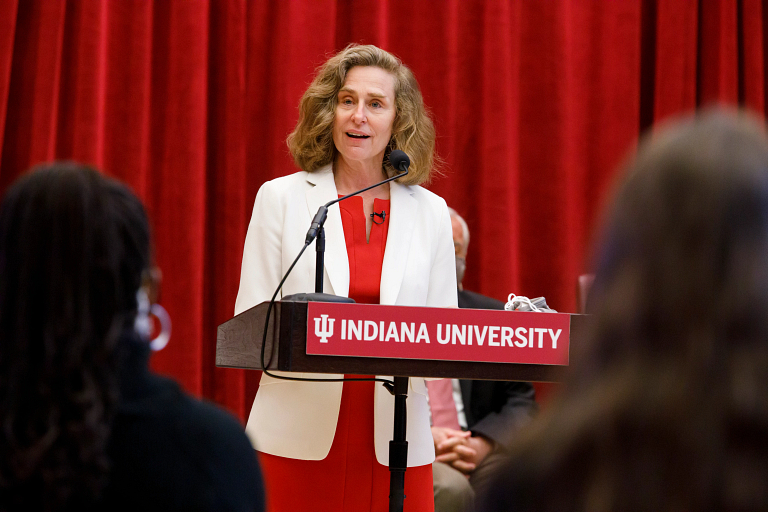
x,y
398,159
317,224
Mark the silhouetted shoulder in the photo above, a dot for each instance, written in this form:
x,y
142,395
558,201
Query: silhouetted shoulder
x,y
173,452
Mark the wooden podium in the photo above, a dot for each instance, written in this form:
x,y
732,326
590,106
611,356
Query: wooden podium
x,y
239,346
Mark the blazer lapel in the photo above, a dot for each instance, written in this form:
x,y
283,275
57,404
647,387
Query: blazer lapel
x,y
401,222
336,261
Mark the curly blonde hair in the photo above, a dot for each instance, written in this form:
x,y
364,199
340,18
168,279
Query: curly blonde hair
x,y
311,142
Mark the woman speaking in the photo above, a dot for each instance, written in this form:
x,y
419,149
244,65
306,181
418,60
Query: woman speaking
x,y
324,445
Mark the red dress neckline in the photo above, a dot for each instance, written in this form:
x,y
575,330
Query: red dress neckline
x,y
365,257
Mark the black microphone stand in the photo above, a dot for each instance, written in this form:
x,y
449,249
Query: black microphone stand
x,y
398,446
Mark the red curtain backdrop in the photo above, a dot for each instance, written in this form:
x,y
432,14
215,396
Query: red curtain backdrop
x,y
190,101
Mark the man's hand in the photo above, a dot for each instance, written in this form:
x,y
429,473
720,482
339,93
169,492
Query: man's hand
x,y
441,435
481,446
458,449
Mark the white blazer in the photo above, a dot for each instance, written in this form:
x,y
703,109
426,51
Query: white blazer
x,y
298,419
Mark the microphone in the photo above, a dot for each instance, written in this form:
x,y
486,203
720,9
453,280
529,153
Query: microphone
x,y
382,217
400,161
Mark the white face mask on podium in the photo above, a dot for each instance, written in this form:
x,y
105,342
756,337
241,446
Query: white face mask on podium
x,y
521,303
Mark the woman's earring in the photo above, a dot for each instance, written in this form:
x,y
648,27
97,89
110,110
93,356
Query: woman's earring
x,y
143,324
161,340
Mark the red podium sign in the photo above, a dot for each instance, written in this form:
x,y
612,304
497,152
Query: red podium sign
x,y
365,330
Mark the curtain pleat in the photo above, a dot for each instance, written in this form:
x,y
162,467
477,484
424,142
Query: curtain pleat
x,y
751,64
128,103
7,32
535,105
718,55
226,165
32,106
178,165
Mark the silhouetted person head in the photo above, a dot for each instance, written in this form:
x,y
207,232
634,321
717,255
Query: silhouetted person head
x,y
74,247
667,404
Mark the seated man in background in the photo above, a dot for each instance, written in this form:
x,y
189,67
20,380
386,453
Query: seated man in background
x,y
472,420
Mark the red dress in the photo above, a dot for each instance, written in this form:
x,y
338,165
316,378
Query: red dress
x,y
349,479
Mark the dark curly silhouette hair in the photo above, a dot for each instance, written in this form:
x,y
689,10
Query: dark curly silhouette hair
x,y
73,247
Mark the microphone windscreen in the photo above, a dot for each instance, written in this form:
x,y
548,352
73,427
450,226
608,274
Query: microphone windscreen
x,y
399,160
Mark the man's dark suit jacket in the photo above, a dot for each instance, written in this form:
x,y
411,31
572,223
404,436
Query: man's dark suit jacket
x,y
494,409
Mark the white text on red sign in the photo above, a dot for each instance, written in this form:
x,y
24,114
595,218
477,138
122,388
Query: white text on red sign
x,y
435,333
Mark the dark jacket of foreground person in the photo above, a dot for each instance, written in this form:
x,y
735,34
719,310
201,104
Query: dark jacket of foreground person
x,y
170,451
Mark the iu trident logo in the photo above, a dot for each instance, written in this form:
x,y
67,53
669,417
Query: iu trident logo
x,y
327,329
